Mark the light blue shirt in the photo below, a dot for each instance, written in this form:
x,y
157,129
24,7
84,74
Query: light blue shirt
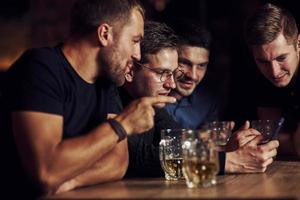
x,y
193,111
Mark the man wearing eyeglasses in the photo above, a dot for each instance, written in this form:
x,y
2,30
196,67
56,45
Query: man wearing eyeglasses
x,y
153,75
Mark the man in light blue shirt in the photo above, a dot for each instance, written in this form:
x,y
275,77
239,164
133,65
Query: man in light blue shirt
x,y
196,103
194,110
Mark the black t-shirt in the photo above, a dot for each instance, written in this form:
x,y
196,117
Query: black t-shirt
x,y
287,99
42,80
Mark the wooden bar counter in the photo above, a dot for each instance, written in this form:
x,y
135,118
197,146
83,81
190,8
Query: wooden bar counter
x,y
281,181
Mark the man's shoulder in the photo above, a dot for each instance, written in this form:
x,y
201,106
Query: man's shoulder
x,y
38,60
42,55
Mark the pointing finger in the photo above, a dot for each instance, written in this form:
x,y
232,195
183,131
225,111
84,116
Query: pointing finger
x,y
159,99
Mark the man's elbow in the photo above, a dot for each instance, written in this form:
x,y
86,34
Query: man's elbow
x,y
122,161
122,166
47,183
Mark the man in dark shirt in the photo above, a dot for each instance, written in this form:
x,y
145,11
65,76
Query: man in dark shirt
x,y
58,101
152,76
273,38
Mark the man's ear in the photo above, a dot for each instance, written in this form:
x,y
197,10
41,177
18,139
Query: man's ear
x,y
298,42
104,33
129,75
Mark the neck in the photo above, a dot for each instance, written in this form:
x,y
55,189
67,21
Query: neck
x,y
82,55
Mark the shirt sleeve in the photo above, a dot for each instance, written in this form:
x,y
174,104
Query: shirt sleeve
x,y
34,85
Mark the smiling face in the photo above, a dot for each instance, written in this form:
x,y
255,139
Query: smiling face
x,y
278,60
124,49
193,62
147,80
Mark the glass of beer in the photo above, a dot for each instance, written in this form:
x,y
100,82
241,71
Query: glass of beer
x,y
221,131
170,153
268,128
200,158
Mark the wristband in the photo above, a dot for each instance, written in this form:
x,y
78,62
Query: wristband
x,y
118,128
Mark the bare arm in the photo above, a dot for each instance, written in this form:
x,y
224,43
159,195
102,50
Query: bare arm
x,y
102,170
51,160
48,158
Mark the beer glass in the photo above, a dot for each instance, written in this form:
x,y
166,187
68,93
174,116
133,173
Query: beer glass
x,y
268,128
200,158
170,153
221,131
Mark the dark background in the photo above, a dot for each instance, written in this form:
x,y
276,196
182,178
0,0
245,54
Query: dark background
x,y
35,23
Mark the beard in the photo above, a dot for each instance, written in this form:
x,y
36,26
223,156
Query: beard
x,y
111,67
182,90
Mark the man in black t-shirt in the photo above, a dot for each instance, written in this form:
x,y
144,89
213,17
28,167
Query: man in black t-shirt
x,y
58,101
274,41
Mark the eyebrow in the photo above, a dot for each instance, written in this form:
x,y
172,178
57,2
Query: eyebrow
x,y
264,60
180,59
163,69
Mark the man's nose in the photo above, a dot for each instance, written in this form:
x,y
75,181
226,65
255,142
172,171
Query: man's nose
x,y
191,72
137,53
275,67
170,83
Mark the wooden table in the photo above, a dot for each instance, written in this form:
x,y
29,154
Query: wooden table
x,y
281,181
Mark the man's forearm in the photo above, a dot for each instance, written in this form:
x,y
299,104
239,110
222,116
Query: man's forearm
x,y
110,167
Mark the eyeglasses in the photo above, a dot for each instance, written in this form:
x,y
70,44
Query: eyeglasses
x,y
164,74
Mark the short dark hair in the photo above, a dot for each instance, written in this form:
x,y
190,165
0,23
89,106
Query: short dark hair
x,y
267,23
87,15
192,34
157,36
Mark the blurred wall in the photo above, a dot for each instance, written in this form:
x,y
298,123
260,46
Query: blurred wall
x,y
35,23
31,23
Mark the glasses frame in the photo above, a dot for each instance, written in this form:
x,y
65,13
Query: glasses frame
x,y
163,77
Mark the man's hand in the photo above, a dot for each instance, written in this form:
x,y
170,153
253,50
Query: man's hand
x,y
241,137
137,117
251,157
